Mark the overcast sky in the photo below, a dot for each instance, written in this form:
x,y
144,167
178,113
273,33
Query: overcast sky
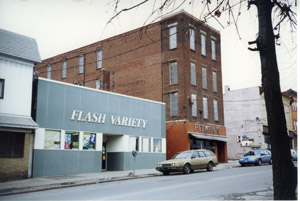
x,y
63,25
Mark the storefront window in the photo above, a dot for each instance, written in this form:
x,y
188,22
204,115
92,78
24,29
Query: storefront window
x,y
52,139
134,144
71,140
146,144
157,145
89,141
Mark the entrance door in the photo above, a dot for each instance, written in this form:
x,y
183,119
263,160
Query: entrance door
x,y
104,156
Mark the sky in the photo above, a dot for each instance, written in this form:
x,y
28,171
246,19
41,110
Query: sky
x,y
63,25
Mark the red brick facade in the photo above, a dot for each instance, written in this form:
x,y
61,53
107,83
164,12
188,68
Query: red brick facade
x,y
137,63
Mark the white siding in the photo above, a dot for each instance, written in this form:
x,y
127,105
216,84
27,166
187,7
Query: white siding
x,y
18,86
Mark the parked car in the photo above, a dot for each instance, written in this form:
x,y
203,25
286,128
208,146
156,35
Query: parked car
x,y
294,155
256,157
188,161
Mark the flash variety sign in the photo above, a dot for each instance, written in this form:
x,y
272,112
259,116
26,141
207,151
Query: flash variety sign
x,y
95,117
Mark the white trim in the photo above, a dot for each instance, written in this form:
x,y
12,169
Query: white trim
x,y
172,25
102,91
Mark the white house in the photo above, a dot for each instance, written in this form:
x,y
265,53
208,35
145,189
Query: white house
x,y
18,54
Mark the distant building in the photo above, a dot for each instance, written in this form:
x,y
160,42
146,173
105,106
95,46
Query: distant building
x,y
18,55
246,120
176,60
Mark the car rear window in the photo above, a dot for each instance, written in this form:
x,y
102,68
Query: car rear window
x,y
208,154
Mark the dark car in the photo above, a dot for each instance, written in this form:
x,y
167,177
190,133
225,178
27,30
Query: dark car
x,y
256,157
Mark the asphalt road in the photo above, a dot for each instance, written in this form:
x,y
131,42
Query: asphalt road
x,y
237,183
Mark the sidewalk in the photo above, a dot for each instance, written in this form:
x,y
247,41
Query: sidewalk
x,y
54,182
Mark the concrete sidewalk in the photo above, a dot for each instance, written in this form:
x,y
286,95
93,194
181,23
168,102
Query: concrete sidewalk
x,y
54,182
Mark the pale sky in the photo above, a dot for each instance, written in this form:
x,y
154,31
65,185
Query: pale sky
x,y
63,25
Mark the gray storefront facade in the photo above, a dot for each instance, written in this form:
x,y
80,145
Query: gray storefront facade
x,y
83,130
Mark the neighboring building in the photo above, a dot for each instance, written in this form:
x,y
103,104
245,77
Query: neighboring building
x,y
246,120
18,55
176,60
293,132
84,130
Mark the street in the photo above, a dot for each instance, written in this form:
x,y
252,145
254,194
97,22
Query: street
x,y
237,183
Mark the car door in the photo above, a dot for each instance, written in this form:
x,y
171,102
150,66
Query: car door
x,y
203,159
195,160
264,156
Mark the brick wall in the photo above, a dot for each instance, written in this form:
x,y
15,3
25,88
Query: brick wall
x,y
16,168
184,56
131,64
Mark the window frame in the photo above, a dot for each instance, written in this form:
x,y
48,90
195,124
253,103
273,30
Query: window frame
x,y
216,110
213,49
2,88
175,72
205,108
193,76
159,147
192,39
172,37
81,64
194,105
174,111
214,81
49,72
99,60
203,43
204,78
64,70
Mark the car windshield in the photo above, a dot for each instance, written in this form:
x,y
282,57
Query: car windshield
x,y
182,155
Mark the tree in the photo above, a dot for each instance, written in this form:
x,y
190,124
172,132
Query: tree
x,y
284,171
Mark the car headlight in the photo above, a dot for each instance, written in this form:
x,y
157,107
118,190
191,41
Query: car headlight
x,y
159,165
174,164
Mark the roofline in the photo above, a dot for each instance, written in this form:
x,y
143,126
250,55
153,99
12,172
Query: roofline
x,y
102,91
189,15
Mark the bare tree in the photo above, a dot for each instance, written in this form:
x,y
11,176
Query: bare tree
x,y
284,171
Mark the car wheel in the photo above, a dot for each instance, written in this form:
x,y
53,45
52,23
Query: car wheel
x,y
243,165
166,172
259,162
210,166
270,162
186,169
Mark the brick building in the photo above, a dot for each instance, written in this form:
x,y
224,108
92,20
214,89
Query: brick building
x,y
176,60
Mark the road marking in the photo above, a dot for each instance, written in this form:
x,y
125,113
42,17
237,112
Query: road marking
x,y
170,187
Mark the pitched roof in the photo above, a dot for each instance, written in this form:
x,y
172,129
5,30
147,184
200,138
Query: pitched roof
x,y
19,46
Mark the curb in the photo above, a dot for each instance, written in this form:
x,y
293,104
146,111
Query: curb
x,y
13,191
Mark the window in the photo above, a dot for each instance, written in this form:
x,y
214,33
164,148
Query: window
x,y
193,74
146,147
173,37
194,105
52,139
295,125
157,145
81,64
214,78
71,140
1,88
204,78
192,38
205,108
64,69
216,114
11,145
173,73
134,143
99,59
89,141
203,43
213,49
208,153
201,153
98,84
48,72
195,154
173,104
